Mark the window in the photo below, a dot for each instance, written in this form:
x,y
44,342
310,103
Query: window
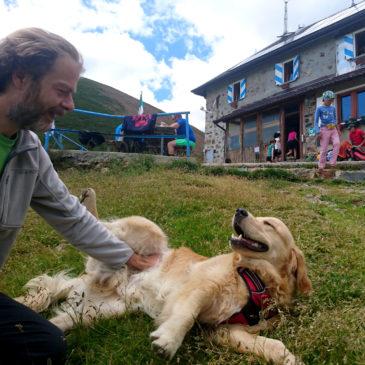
x,y
360,43
345,108
352,105
361,104
250,132
288,71
270,125
234,142
236,91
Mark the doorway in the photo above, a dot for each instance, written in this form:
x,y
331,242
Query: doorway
x,y
291,124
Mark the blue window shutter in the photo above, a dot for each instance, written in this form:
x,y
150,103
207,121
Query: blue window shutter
x,y
242,89
279,74
230,94
349,48
296,64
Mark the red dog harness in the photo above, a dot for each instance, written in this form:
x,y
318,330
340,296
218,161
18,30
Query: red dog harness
x,y
259,298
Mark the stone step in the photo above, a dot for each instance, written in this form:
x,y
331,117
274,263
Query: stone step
x,y
351,171
341,165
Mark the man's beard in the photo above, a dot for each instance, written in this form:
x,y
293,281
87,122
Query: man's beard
x,y
28,113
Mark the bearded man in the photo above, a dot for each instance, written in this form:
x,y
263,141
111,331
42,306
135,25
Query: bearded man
x,y
39,72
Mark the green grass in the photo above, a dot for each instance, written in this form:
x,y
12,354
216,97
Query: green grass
x,y
195,205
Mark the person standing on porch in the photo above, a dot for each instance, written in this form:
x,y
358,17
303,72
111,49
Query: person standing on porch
x,y
327,130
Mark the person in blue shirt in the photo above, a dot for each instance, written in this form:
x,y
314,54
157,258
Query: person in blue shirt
x,y
182,141
327,130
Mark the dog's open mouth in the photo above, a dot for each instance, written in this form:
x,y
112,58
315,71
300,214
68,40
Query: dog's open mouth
x,y
243,241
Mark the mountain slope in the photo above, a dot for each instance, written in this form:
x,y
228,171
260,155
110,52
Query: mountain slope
x,y
97,97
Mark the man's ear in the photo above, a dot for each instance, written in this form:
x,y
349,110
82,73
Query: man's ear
x,y
20,79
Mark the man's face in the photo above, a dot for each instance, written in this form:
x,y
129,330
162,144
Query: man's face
x,y
41,101
328,102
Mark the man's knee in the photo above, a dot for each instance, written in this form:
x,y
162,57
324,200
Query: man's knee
x,y
56,346
28,338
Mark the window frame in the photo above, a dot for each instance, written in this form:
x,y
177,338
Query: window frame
x,y
356,45
354,102
250,118
286,81
283,64
236,91
231,136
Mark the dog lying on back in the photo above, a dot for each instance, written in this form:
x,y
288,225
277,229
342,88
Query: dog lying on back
x,y
235,294
92,295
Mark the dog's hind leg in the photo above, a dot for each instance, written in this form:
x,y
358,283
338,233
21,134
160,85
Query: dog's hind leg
x,y
44,290
86,312
64,321
241,341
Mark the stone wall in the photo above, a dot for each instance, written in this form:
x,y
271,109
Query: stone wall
x,y
214,143
310,142
98,160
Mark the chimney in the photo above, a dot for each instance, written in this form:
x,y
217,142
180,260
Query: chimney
x,y
285,18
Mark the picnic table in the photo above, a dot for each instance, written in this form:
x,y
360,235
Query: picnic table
x,y
155,143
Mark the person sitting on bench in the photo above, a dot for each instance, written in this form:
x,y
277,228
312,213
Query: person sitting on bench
x,y
179,125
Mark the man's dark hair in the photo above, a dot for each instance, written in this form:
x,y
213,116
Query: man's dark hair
x,y
32,51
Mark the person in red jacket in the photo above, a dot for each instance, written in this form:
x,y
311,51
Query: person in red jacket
x,y
357,136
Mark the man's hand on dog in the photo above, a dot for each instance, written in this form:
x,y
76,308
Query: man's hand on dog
x,y
141,262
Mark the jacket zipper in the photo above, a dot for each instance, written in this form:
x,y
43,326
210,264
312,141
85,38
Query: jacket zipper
x,y
5,189
4,186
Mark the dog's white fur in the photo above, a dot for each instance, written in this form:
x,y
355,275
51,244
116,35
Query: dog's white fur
x,y
183,288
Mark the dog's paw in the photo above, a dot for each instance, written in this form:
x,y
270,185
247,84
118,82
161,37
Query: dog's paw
x,y
290,359
164,343
63,321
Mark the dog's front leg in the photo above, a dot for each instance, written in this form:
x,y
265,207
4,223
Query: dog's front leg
x,y
177,318
271,350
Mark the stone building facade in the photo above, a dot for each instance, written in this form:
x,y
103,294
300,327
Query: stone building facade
x,y
279,88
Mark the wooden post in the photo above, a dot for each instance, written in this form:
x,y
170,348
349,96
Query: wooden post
x,y
282,132
259,139
241,139
301,129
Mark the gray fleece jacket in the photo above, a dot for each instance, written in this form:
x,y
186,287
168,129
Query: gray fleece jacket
x,y
29,179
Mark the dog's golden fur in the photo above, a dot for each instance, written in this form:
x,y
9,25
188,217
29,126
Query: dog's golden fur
x,y
186,287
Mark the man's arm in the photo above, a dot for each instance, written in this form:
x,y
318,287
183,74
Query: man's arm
x,y
173,125
70,218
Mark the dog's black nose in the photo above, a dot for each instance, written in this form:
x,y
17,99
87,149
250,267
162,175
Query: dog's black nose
x,y
242,213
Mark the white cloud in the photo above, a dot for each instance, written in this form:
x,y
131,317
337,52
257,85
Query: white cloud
x,y
234,29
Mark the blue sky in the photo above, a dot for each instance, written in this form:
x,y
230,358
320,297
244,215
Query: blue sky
x,y
164,48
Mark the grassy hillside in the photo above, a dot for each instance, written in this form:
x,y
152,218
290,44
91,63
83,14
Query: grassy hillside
x,y
195,208
97,97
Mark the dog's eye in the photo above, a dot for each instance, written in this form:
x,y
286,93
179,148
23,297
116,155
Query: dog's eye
x,y
269,224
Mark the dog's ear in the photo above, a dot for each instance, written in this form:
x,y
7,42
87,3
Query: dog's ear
x,y
237,259
299,270
88,198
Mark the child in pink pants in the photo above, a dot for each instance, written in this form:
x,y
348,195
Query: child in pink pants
x,y
326,136
326,113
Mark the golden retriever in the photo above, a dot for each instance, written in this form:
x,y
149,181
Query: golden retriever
x,y
185,287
